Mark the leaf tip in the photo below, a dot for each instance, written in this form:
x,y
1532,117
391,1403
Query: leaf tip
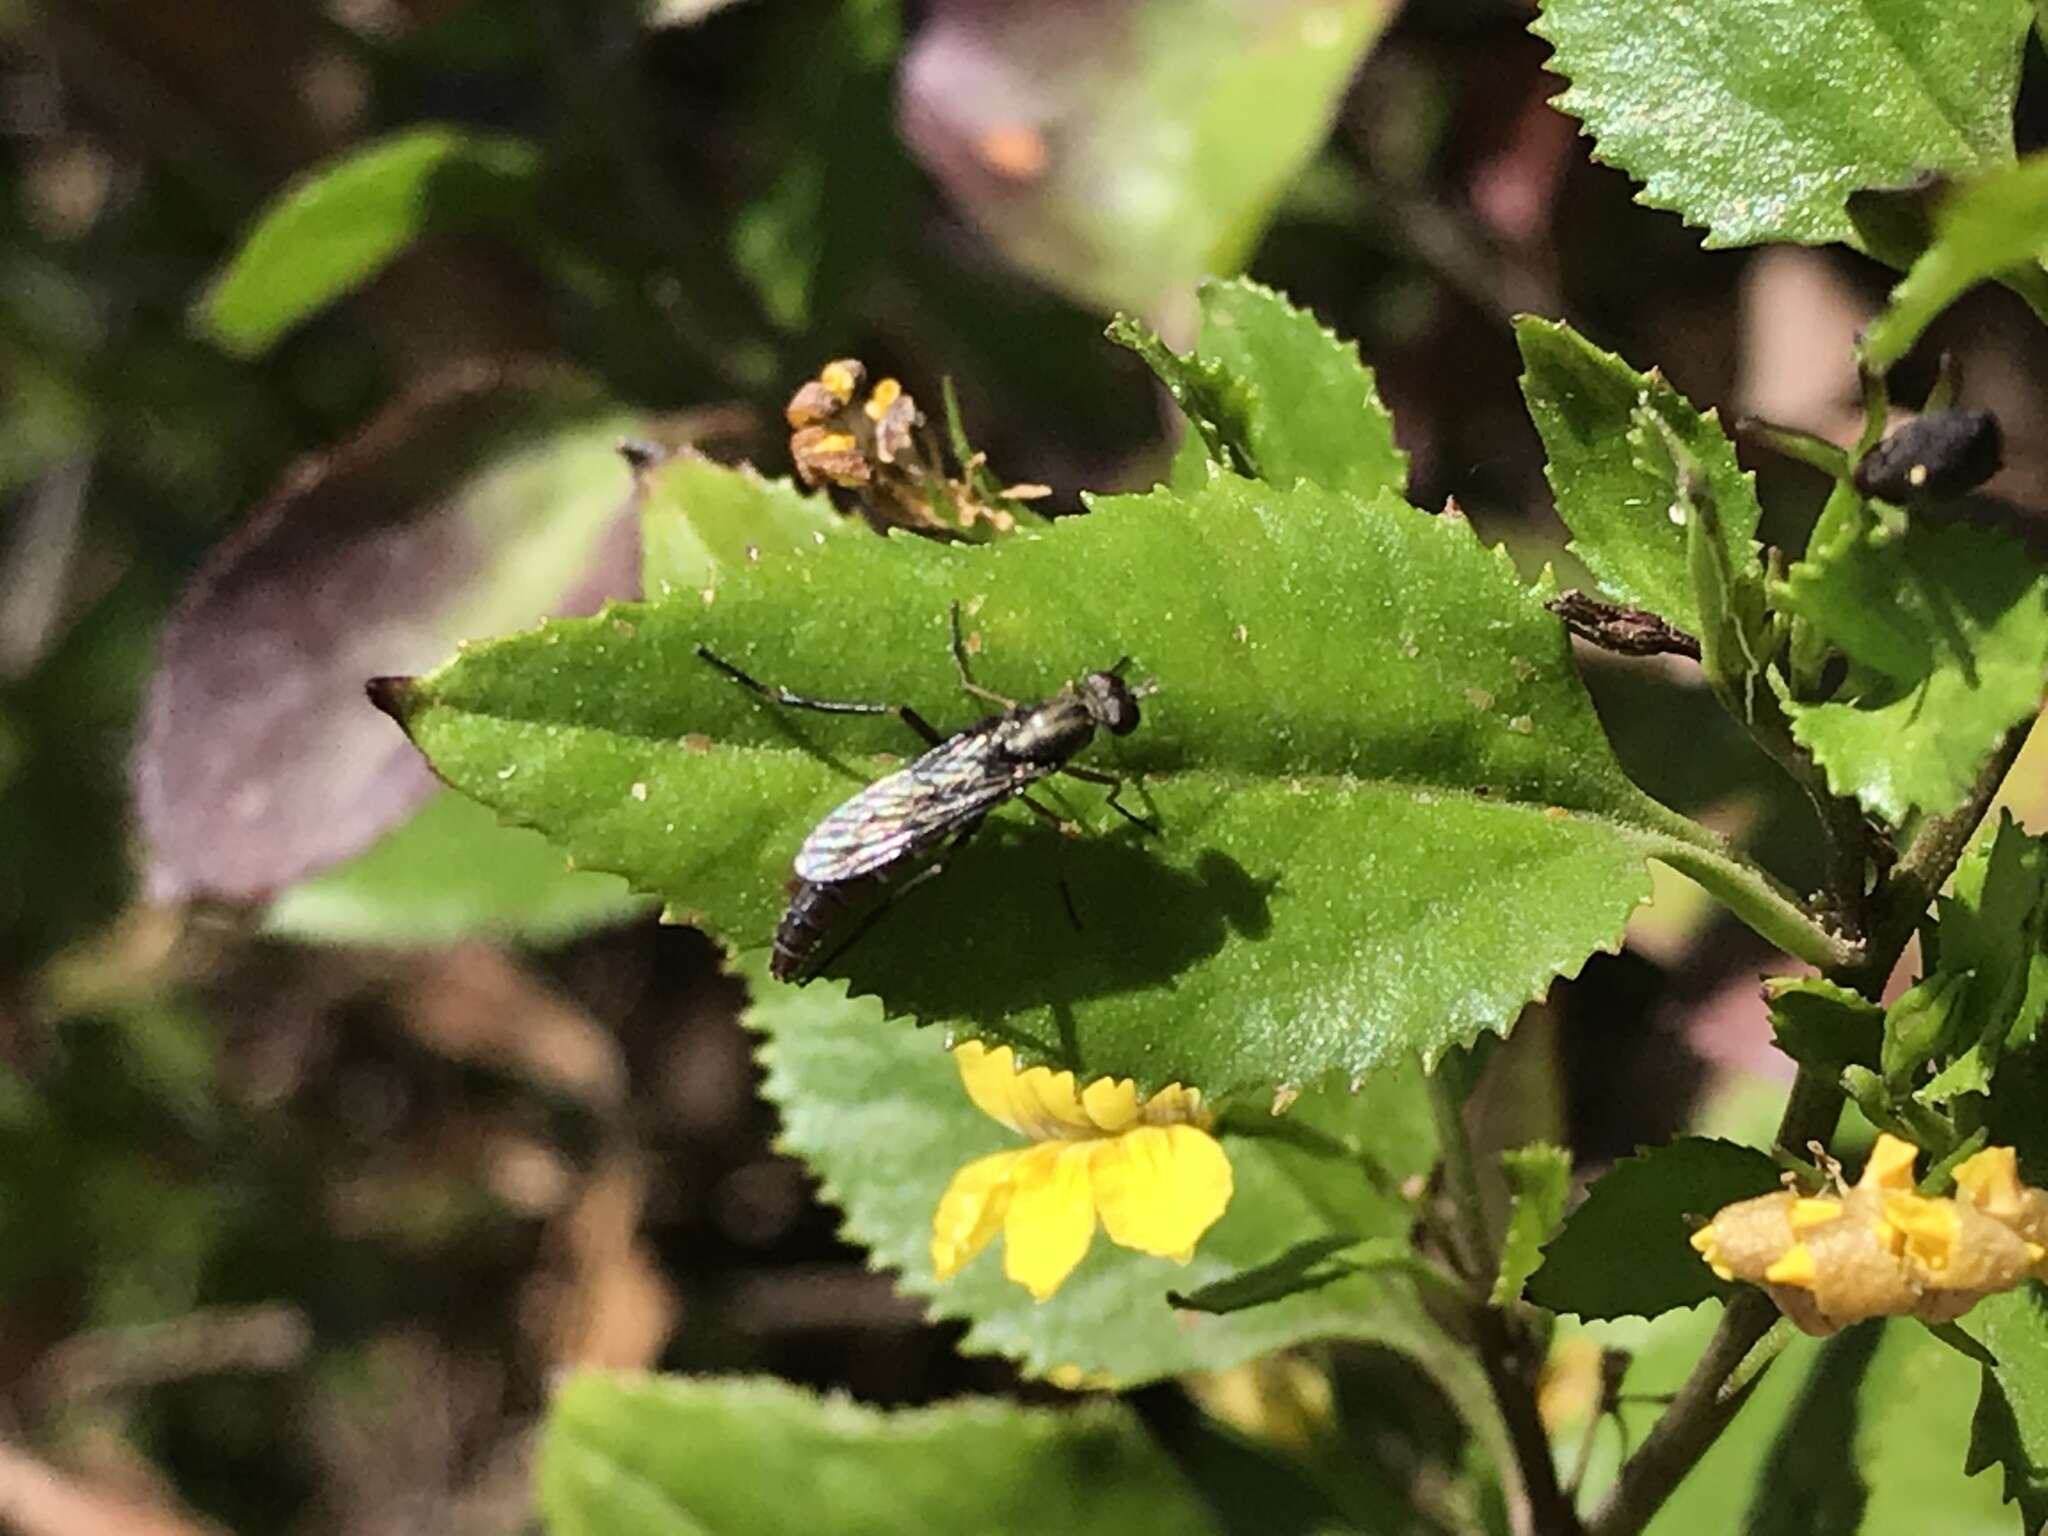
x,y
641,456
393,695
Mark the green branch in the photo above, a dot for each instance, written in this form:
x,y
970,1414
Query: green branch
x,y
1756,896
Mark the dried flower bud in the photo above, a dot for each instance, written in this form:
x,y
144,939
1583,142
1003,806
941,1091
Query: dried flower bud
x,y
1880,1249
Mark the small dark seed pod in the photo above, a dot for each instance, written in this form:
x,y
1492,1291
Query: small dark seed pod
x,y
1943,453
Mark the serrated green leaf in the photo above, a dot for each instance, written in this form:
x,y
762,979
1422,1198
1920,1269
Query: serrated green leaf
x,y
452,872
1659,1354
1949,630
1616,499
1822,1026
2011,1426
879,1114
346,220
1899,1435
1539,1182
1988,948
1755,120
1311,407
626,1455
1625,1251
1218,402
1120,154
1369,852
1986,227
699,519
1991,925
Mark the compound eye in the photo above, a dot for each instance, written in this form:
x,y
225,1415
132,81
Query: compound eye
x,y
1119,707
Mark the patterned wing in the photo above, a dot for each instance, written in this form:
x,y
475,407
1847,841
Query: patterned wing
x,y
911,810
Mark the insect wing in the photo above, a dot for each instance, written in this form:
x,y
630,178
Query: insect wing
x,y
910,810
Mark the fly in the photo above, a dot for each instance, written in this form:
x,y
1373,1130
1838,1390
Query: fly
x,y
939,799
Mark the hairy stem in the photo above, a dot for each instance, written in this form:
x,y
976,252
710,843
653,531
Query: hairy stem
x,y
1707,1401
1753,895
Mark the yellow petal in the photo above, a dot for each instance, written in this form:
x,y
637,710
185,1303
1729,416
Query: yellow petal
x,y
1160,1187
971,1211
1111,1103
1175,1105
1931,1228
1039,1103
1990,1180
1891,1163
1052,1217
1810,1212
1795,1268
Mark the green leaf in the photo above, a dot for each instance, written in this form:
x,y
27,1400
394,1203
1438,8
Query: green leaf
x,y
1821,1423
1909,1442
879,1114
1755,120
699,519
1539,1181
343,222
1822,1026
1735,636
1617,499
1992,923
1988,948
1217,402
1986,227
674,1456
834,208
2011,1426
1919,1025
1948,630
1369,851
1796,1492
1625,1251
1311,408
1307,1266
1119,154
452,872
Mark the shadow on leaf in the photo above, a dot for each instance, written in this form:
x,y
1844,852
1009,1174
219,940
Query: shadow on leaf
x,y
992,936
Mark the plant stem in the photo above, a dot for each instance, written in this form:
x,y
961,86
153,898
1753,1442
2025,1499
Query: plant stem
x,y
1472,1249
1513,1358
1705,1404
1755,897
1510,1352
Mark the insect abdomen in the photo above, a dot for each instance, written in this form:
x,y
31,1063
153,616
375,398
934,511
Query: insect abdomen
x,y
816,910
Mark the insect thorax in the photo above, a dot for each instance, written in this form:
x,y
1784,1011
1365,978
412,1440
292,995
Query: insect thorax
x,y
1049,733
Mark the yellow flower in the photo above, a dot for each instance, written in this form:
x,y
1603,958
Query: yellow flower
x,y
1880,1249
1147,1167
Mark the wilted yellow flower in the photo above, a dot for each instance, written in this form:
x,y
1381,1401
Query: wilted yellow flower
x,y
1881,1250
1147,1167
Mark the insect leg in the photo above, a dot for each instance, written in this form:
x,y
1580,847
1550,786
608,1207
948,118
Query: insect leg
x,y
1063,826
1116,788
967,681
903,712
